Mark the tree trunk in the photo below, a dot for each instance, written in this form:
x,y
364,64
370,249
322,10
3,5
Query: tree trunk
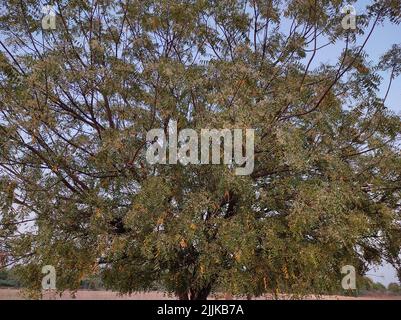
x,y
182,295
195,294
200,294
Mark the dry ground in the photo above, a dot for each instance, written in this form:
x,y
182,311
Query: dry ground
x,y
13,294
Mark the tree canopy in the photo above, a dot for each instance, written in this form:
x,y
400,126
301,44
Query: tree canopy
x,y
77,101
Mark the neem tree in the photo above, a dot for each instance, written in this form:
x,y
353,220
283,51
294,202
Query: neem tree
x,y
76,102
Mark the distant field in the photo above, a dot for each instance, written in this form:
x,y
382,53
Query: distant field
x,y
13,294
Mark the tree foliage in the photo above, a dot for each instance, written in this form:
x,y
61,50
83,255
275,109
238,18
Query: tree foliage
x,y
394,288
76,102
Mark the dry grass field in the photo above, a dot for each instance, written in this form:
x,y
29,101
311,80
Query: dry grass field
x,y
13,294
